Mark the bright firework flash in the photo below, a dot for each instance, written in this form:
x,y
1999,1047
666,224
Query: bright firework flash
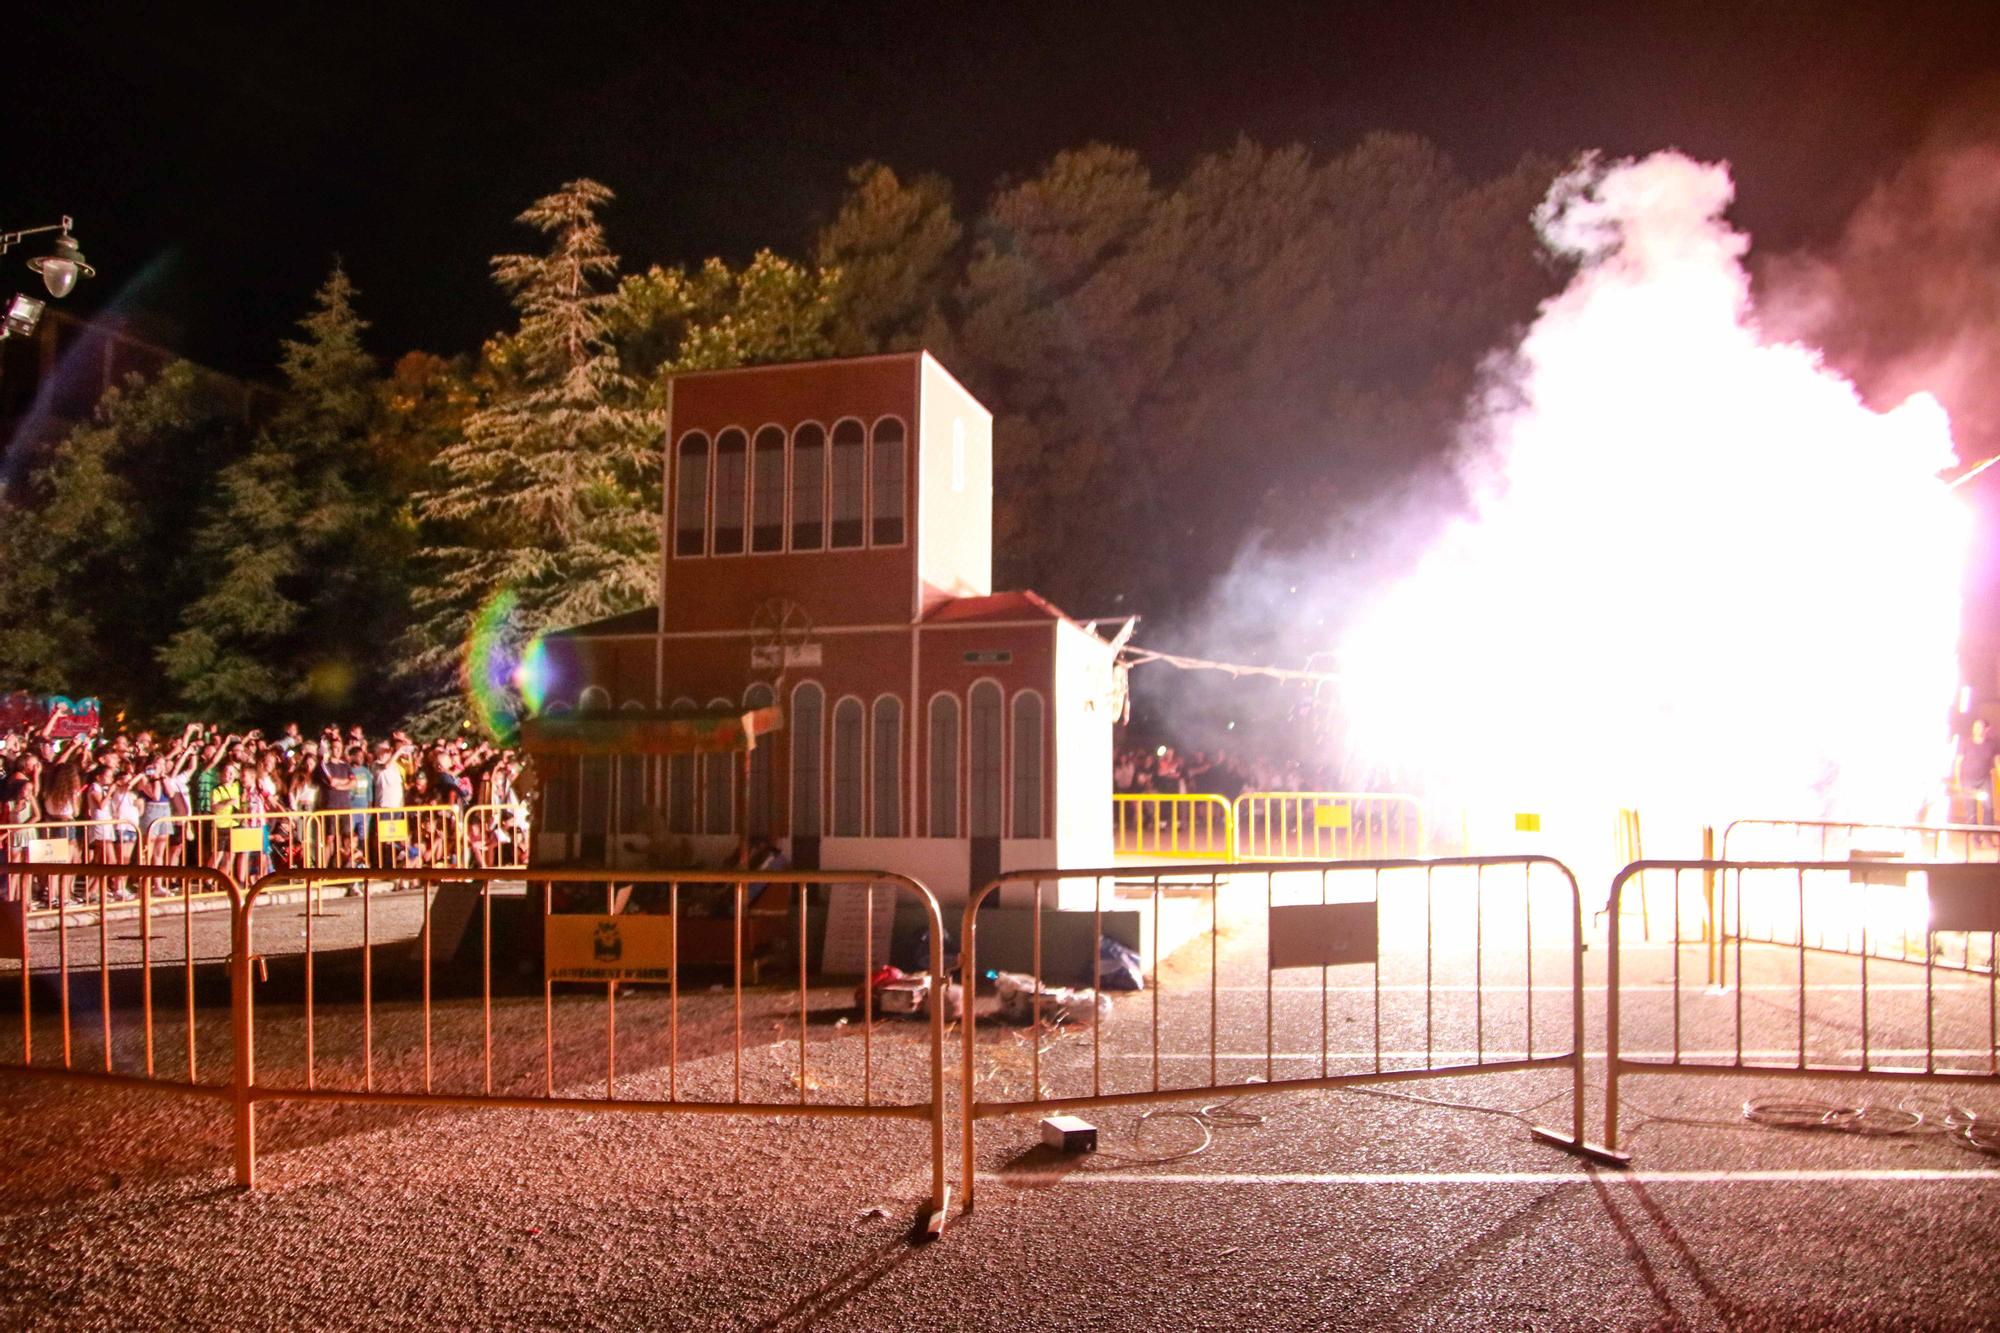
x,y
504,679
1699,577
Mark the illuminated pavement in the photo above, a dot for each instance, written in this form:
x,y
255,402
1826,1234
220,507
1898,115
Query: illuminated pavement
x,y
1340,1210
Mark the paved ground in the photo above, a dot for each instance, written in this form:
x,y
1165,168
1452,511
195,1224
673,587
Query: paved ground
x,y
1340,1209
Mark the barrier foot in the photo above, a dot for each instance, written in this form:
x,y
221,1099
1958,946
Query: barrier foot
x,y
935,1219
1596,1152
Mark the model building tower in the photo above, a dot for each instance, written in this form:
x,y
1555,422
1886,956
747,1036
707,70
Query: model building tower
x,y
828,549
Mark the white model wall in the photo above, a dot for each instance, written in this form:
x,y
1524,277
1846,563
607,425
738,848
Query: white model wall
x,y
955,486
1086,707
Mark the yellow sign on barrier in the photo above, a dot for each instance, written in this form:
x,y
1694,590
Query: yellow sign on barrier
x,y
246,839
1527,823
609,948
1333,816
392,830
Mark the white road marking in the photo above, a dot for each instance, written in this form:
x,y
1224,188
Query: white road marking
x,y
1503,989
1576,1177
1789,1054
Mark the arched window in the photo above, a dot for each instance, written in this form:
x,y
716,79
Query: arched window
x,y
944,766
691,495
809,488
1027,821
848,729
985,791
804,729
850,483
718,787
680,783
760,696
767,491
594,699
885,484
732,479
886,785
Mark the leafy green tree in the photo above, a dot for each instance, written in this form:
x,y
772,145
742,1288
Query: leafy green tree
x,y
95,561
301,588
897,250
667,320
1255,354
552,493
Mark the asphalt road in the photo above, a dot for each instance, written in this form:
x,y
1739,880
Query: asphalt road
x,y
1321,1209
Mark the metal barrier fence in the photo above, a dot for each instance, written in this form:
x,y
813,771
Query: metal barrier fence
x,y
1468,916
1328,825
1876,1035
1173,825
496,836
110,979
638,929
1771,920
380,838
251,845
50,844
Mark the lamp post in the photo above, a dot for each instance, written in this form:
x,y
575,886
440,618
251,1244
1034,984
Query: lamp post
x,y
60,269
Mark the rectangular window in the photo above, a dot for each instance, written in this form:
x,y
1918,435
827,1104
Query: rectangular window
x,y
767,491
731,483
985,766
1027,819
847,729
888,768
804,730
885,496
691,495
944,767
808,488
850,484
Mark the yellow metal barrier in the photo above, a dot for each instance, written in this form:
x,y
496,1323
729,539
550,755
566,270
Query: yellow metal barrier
x,y
496,836
1178,826
381,838
41,845
1327,825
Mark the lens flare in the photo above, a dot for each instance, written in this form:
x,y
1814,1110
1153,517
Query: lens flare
x,y
494,663
1699,577
531,675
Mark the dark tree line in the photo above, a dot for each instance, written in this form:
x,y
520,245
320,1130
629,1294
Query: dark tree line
x,y
1253,350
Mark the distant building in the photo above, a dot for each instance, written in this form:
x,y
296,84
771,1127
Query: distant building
x,y
828,544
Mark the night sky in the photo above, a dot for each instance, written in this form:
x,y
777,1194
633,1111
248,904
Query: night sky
x,y
215,169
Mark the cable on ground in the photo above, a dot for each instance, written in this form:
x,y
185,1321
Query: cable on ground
x,y
1209,1118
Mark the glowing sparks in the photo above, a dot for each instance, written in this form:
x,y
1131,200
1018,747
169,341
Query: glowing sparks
x,y
1701,577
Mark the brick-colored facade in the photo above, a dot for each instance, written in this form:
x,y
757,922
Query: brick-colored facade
x,y
828,537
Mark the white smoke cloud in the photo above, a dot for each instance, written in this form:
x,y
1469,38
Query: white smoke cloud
x,y
1699,575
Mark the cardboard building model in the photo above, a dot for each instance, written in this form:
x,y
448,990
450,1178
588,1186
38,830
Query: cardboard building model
x,y
828,552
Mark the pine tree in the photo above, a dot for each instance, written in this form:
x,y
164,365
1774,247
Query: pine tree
x,y
292,593
552,494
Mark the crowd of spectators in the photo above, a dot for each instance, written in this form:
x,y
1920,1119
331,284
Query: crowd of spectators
x,y
1162,769
159,798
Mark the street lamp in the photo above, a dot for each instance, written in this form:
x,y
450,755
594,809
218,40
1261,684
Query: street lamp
x,y
59,269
